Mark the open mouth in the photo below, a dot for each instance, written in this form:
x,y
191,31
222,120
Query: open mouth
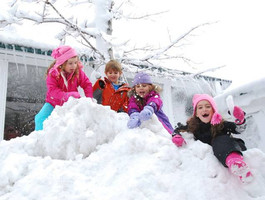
x,y
205,115
141,94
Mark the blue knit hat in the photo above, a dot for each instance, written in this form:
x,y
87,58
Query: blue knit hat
x,y
141,77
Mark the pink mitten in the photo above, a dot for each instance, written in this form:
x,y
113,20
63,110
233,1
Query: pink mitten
x,y
178,140
73,94
239,114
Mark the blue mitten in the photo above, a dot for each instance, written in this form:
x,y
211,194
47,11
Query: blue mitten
x,y
146,113
134,120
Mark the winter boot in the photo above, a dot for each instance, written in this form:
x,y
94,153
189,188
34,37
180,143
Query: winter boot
x,y
238,167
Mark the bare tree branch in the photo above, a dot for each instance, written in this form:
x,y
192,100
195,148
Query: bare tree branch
x,y
173,43
88,35
147,15
75,27
207,70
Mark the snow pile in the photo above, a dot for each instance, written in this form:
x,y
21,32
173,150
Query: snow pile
x,y
251,98
86,152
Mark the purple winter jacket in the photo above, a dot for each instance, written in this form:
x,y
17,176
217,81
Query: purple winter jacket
x,y
58,86
152,99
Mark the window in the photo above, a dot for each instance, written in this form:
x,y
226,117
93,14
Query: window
x,y
26,90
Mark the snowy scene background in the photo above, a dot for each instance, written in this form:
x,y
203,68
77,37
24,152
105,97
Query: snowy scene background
x,y
86,151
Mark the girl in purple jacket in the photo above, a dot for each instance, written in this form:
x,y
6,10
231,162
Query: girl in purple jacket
x,y
64,76
145,101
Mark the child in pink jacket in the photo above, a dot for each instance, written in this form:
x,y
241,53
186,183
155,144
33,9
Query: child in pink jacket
x,y
64,76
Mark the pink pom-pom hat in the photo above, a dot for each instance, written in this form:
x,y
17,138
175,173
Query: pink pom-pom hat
x,y
62,54
216,118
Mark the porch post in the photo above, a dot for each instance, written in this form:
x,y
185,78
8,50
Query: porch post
x,y
3,91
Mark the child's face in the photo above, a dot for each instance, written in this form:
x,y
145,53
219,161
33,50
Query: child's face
x,y
71,65
113,75
143,89
204,111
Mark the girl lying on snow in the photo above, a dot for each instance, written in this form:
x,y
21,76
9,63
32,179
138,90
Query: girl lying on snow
x,y
208,126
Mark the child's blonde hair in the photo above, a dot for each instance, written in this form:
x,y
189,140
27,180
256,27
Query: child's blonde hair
x,y
61,67
113,65
140,100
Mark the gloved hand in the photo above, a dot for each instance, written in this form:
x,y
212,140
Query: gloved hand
x,y
178,140
134,120
101,84
181,127
239,114
146,113
73,94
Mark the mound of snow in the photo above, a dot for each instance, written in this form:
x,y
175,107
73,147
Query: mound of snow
x,y
86,151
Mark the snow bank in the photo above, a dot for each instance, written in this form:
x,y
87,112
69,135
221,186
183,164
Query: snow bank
x,y
86,152
251,98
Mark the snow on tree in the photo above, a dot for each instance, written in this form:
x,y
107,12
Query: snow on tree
x,y
91,24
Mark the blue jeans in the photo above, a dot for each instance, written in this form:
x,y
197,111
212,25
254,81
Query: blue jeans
x,y
44,113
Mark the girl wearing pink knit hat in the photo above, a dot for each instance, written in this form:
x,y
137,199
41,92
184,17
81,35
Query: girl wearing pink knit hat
x,y
64,76
207,125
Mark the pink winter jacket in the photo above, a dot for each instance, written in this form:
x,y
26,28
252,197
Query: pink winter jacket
x,y
59,90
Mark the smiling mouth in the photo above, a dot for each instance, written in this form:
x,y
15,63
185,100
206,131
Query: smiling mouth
x,y
142,94
205,115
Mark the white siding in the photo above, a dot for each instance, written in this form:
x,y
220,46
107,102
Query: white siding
x,y
3,88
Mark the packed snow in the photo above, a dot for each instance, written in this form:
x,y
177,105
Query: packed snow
x,y
86,151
